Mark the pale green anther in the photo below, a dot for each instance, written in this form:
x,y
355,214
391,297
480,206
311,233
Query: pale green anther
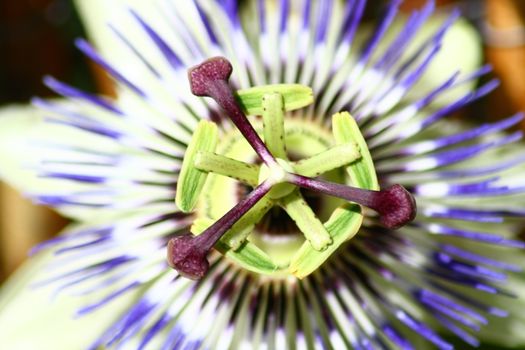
x,y
305,219
191,180
362,173
333,158
199,225
240,231
218,164
346,220
295,96
273,121
342,225
248,255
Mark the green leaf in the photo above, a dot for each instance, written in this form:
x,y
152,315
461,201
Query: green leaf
x,y
295,96
191,180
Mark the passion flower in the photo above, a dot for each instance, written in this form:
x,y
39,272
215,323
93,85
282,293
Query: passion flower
x,y
283,176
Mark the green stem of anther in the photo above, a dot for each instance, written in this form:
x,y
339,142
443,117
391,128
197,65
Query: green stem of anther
x,y
218,164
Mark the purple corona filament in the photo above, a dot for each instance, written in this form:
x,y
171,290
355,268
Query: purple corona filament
x,y
188,254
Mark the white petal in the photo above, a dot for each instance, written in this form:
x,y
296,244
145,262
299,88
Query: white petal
x,y
96,14
461,52
30,320
20,127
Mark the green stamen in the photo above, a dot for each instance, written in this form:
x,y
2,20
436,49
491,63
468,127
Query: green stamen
x,y
346,220
238,234
218,164
306,220
273,121
362,173
330,159
295,96
191,180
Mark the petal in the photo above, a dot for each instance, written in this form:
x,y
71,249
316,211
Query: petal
x,y
461,51
18,125
96,15
30,319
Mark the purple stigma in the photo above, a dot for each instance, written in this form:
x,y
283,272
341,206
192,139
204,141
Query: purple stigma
x,y
210,78
187,258
188,254
395,205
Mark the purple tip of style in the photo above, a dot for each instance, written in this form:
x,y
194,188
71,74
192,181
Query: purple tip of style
x,y
396,205
210,78
213,69
186,258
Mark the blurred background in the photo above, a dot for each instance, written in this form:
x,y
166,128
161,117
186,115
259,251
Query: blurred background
x,y
36,39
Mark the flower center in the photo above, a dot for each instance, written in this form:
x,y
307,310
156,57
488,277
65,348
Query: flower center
x,y
212,170
276,232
